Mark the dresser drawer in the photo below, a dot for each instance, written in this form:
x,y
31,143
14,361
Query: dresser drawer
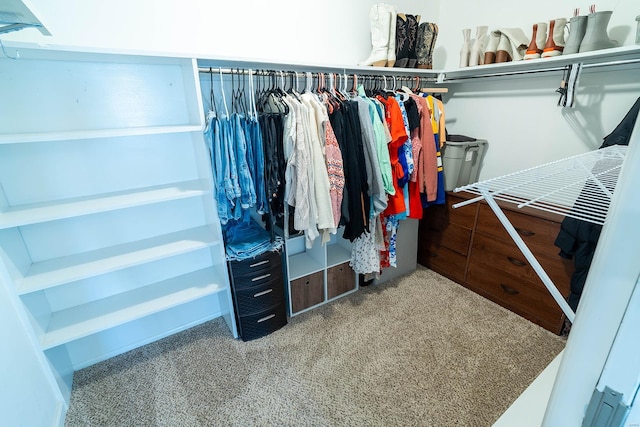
x,y
254,266
456,238
258,277
259,298
539,234
529,299
444,261
464,216
506,257
263,323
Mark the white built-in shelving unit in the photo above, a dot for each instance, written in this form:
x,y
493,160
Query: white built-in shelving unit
x,y
108,226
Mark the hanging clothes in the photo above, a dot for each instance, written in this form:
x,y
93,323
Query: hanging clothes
x,y
324,218
427,177
395,123
437,122
355,202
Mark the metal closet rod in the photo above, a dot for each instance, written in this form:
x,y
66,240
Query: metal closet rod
x,y
317,74
278,73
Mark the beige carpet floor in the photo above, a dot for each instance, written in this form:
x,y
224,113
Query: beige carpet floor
x,y
417,351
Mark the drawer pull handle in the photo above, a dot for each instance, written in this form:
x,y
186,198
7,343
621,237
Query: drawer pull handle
x,y
516,262
433,255
509,290
259,263
264,276
264,319
259,294
523,232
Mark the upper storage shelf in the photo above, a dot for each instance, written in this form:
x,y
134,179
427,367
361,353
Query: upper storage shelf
x,y
625,56
63,95
16,15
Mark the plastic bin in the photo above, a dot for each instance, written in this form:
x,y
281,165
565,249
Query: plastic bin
x,y
461,162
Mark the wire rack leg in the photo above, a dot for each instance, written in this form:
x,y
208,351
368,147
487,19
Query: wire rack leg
x,y
557,296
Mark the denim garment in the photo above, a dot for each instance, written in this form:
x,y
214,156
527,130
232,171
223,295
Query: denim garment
x,y
247,190
246,239
217,152
246,129
232,186
262,205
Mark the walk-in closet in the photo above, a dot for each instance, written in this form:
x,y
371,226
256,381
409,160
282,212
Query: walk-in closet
x,y
353,213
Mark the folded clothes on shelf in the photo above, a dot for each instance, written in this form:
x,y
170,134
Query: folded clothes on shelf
x,y
247,239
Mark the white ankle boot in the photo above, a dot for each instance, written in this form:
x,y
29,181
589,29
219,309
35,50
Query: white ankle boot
x,y
476,56
464,51
380,21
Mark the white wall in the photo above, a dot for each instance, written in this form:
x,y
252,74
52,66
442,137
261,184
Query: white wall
x,y
525,127
332,32
519,116
28,395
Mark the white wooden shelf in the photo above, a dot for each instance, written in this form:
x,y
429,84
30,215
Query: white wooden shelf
x,y
17,138
40,212
303,264
54,272
614,57
80,321
337,254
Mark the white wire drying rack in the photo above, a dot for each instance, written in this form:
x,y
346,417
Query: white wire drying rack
x,y
580,187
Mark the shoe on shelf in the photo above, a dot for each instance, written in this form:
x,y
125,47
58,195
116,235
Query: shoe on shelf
x,y
555,41
412,36
596,37
504,53
391,49
577,29
402,41
427,35
538,40
492,47
465,51
380,22
476,56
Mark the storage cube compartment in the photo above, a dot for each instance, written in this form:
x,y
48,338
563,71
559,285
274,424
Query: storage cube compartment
x,y
304,261
307,291
340,280
338,250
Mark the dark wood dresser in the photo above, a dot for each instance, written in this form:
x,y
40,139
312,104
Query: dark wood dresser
x,y
470,246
